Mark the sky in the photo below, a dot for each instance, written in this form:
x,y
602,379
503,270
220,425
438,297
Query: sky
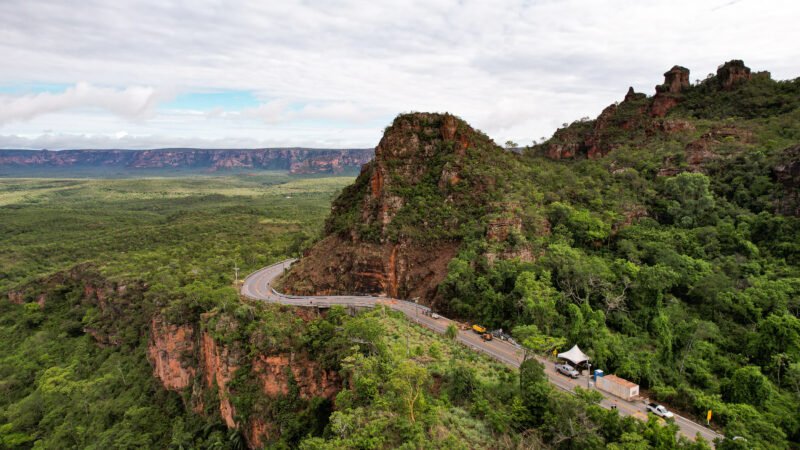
x,y
333,74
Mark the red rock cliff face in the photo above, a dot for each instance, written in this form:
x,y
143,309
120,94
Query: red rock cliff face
x,y
732,73
168,349
184,359
635,115
668,94
351,263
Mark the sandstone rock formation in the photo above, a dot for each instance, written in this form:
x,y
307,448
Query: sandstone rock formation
x,y
295,160
668,94
378,239
168,346
187,359
731,73
637,115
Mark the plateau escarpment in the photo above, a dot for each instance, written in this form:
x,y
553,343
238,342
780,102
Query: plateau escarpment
x,y
189,358
239,374
434,183
295,160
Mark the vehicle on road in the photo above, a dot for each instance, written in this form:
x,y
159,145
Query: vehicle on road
x,y
659,410
566,369
435,316
499,334
479,329
487,336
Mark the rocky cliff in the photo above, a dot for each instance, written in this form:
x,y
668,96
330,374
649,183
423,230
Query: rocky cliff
x,y
638,118
198,358
294,160
187,358
434,180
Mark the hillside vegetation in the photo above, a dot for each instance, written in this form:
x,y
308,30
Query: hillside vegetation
x,y
157,255
662,237
672,254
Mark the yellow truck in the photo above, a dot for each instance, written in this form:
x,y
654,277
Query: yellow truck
x,y
479,329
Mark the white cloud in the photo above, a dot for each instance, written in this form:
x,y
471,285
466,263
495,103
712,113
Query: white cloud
x,y
134,102
283,111
514,68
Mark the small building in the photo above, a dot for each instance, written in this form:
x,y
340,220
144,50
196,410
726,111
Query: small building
x,y
617,386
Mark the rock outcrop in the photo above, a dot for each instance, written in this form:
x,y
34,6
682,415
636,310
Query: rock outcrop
x,y
638,116
169,346
187,358
395,230
294,160
732,73
668,95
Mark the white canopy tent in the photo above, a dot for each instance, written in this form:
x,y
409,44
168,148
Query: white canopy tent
x,y
574,355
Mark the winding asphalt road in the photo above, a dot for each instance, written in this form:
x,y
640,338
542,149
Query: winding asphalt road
x,y
258,286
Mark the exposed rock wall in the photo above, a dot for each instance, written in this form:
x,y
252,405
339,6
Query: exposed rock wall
x,y
420,152
338,265
638,114
185,357
295,160
732,73
169,346
187,360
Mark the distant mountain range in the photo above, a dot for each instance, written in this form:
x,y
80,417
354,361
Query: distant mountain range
x,y
293,160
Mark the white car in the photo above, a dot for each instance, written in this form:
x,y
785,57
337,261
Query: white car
x,y
566,369
659,410
435,316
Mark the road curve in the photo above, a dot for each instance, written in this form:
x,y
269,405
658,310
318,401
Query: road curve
x,y
258,286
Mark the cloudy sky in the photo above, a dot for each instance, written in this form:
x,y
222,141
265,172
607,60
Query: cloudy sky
x,y
205,73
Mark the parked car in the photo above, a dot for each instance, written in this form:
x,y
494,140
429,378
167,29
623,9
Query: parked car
x,y
659,410
566,369
435,316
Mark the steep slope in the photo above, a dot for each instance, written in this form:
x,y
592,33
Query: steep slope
x,y
661,237
673,112
434,183
732,119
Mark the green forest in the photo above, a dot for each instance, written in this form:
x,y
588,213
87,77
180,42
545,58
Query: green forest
x,y
680,275
672,259
75,375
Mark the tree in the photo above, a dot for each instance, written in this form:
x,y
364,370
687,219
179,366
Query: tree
x,y
537,299
511,145
747,385
534,341
691,201
408,382
775,335
451,332
534,389
462,382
